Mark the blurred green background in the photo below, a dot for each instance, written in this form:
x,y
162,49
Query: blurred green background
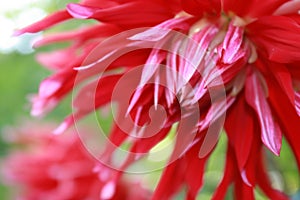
x,y
20,75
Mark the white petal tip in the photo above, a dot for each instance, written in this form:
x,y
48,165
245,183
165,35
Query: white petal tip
x,y
108,190
62,128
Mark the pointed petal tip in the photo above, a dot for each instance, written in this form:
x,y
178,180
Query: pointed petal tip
x,y
35,112
276,150
274,146
17,33
79,11
61,128
108,190
245,178
48,87
37,44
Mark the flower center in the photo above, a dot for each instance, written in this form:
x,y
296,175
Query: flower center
x,y
225,23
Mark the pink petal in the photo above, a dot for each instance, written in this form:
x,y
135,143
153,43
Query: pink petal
x,y
108,190
233,53
297,102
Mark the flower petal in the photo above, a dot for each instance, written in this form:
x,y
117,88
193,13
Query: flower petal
x,y
45,23
252,8
290,7
264,182
82,35
228,176
278,41
287,115
297,102
199,7
239,128
256,98
128,15
169,184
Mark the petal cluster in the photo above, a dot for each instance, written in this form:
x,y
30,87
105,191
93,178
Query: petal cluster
x,y
46,167
210,65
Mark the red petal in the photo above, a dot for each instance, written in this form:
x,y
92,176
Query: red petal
x,y
248,174
47,22
58,59
129,15
97,93
143,145
239,128
252,8
242,191
284,79
229,171
199,7
96,98
288,117
171,180
277,37
256,98
264,182
290,7
82,35
195,170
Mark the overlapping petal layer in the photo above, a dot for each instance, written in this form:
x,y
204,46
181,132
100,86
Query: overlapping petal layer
x,y
207,63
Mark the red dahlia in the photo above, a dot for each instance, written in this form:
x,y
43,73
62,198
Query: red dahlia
x,y
209,64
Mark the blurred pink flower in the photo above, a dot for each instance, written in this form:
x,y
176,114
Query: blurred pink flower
x,y
45,166
247,50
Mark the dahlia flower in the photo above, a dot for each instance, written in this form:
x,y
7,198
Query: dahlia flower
x,y
198,66
46,167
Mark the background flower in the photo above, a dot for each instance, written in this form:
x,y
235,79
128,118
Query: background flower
x,y
45,166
